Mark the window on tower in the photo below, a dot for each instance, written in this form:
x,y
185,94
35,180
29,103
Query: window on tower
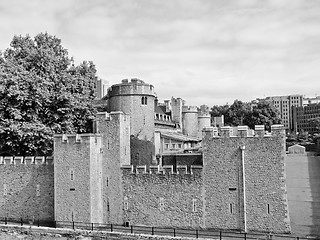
x,y
144,101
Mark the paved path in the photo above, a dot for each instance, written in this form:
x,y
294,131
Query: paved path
x,y
303,186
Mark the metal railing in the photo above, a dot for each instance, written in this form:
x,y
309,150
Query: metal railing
x,y
164,231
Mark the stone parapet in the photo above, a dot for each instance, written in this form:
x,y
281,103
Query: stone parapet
x,y
27,160
162,170
190,109
133,87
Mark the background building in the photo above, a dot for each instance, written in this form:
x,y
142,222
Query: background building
x,y
102,88
284,105
303,115
312,100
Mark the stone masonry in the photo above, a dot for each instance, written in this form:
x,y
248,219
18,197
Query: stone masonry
x,y
26,188
241,186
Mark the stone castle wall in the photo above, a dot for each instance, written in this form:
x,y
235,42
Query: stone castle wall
x,y
163,198
87,171
241,186
115,131
248,175
78,178
26,188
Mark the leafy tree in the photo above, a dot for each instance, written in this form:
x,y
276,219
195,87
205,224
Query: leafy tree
x,y
241,113
263,114
237,113
41,93
217,111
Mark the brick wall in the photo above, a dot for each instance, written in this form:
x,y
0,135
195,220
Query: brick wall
x,y
26,189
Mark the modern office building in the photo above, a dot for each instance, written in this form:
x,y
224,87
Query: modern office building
x,y
302,116
284,105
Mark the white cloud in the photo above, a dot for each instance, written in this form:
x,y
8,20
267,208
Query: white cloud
x,y
208,51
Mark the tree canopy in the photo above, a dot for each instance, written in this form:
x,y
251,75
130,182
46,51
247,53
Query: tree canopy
x,y
42,92
241,113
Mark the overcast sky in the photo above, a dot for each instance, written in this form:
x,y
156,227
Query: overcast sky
x,y
204,51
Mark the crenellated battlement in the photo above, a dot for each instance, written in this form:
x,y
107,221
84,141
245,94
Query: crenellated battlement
x,y
27,160
76,138
133,87
189,109
162,170
242,131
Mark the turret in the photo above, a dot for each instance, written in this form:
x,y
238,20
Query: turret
x,y
136,99
190,120
203,118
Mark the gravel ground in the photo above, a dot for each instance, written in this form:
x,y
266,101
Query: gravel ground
x,y
14,235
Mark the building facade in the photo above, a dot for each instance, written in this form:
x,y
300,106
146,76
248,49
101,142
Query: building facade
x,y
303,115
284,106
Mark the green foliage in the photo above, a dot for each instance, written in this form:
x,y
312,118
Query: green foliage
x,y
42,93
240,113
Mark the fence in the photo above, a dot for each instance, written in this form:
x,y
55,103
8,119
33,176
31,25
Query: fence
x,y
172,232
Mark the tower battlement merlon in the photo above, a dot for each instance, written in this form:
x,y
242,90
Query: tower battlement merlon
x,y
243,131
109,117
74,138
27,160
189,109
209,132
134,87
161,170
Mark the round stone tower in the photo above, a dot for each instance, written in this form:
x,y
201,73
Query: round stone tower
x,y
190,120
136,98
203,118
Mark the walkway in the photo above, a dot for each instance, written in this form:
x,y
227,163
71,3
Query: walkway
x,y
303,186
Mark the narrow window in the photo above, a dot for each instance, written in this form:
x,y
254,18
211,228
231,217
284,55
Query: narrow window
x,y
126,203
108,207
194,205
231,208
107,181
38,190
161,203
5,192
144,101
71,174
268,208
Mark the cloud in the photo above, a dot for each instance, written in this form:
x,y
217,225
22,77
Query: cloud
x,y
208,51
